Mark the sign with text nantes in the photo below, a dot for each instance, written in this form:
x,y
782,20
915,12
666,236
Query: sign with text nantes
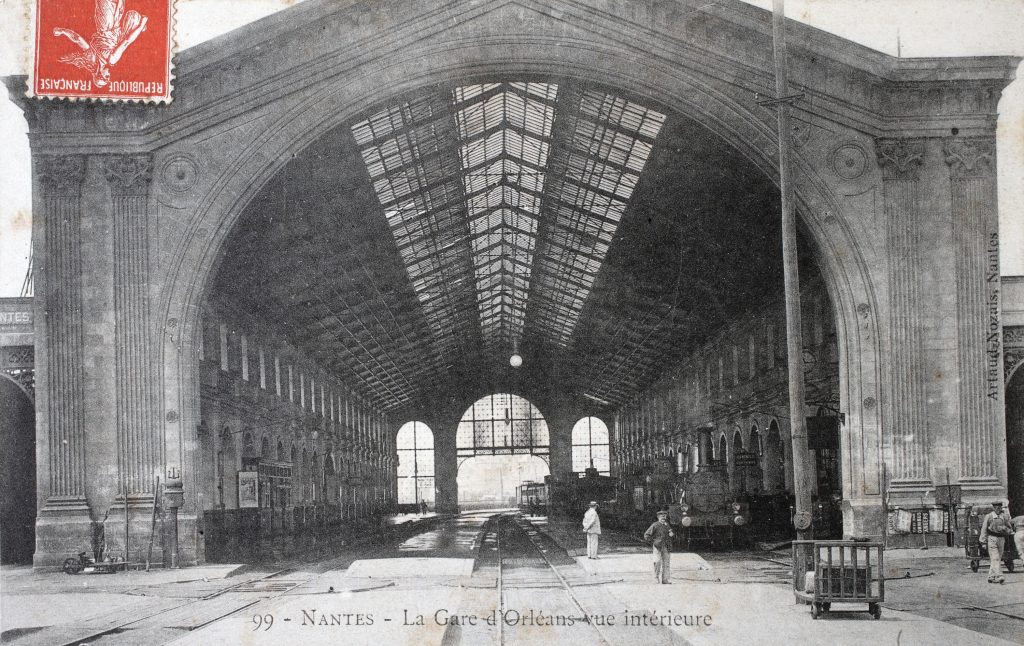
x,y
103,49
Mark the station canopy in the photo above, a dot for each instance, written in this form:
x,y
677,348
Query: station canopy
x,y
414,249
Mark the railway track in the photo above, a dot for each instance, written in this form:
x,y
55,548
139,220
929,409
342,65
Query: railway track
x,y
265,587
540,573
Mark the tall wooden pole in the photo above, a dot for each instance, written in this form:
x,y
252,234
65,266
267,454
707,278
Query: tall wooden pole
x,y
794,340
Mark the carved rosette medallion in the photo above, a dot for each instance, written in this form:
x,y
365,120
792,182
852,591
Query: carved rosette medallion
x,y
849,161
129,174
900,158
179,173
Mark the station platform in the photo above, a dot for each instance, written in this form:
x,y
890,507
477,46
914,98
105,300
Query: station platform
x,y
412,588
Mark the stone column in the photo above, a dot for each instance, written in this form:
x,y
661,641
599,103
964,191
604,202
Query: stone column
x,y
63,526
900,162
61,179
976,239
138,444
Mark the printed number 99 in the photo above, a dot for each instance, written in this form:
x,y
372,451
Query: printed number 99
x,y
262,621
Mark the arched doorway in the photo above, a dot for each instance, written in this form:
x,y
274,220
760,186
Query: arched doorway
x,y
774,461
501,441
755,473
1015,440
17,472
736,124
739,472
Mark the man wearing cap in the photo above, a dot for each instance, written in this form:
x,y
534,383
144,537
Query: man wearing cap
x,y
592,526
995,528
659,534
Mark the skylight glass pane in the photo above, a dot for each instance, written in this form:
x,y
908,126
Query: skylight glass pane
x,y
409,150
609,143
503,131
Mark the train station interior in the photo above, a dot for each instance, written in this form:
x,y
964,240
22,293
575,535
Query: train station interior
x,y
413,281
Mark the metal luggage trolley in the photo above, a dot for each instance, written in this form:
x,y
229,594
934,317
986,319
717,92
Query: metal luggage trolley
x,y
827,572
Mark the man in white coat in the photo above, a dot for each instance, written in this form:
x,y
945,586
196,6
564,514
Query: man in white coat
x,y
592,526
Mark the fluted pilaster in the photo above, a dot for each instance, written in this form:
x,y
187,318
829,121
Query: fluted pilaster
x,y
61,182
972,177
900,161
129,177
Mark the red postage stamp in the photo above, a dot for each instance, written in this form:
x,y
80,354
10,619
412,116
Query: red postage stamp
x,y
103,49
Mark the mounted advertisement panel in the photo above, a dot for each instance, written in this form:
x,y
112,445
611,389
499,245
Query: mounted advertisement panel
x,y
248,489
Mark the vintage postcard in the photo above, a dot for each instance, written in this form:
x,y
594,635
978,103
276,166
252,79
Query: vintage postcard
x,y
442,322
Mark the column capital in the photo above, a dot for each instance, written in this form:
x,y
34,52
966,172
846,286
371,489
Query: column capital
x,y
900,158
61,174
129,175
970,157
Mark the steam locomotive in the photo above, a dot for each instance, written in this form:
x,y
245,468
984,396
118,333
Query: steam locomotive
x,y
567,496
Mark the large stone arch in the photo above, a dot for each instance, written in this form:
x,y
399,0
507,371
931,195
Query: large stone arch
x,y
848,279
246,103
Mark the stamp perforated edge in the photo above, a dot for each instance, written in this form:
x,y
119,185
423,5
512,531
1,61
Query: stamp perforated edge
x,y
172,50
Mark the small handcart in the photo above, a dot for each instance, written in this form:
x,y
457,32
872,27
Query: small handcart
x,y
827,572
975,550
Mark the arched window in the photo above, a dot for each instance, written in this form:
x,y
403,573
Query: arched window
x,y
502,424
590,446
755,441
265,448
280,450
415,446
723,449
248,445
737,442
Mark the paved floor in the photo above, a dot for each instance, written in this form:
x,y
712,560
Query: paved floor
x,y
453,581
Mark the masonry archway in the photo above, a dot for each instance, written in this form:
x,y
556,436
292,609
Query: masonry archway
x,y
873,134
17,472
845,273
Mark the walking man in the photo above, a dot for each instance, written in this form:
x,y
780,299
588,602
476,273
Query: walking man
x,y
592,526
660,534
995,529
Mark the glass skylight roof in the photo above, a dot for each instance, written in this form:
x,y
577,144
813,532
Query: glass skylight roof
x,y
468,180
409,151
591,181
504,133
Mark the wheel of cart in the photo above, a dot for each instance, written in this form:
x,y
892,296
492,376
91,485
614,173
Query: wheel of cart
x,y
72,566
827,572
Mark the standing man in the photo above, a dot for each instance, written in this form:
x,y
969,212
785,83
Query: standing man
x,y
660,534
592,526
1018,534
995,529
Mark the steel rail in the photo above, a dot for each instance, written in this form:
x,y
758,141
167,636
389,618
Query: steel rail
x,y
78,641
565,584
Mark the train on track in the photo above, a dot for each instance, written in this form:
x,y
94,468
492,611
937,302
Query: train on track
x,y
704,508
568,496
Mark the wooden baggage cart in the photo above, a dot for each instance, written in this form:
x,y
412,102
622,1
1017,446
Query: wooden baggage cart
x,y
827,572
